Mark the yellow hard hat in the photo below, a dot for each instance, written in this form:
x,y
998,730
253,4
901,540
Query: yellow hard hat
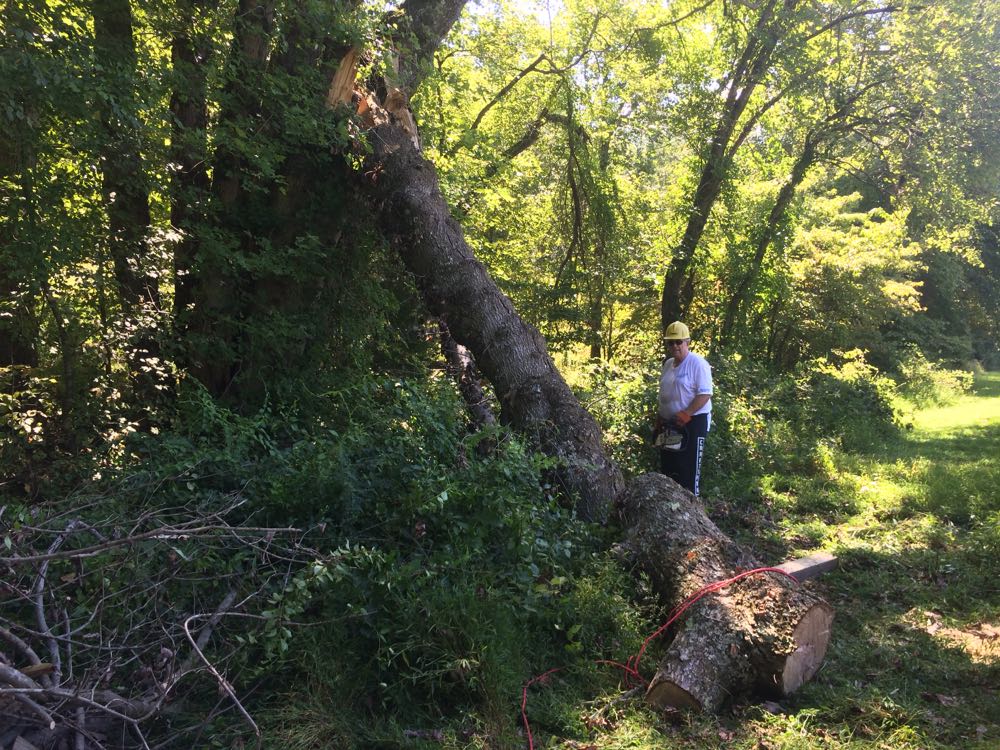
x,y
677,330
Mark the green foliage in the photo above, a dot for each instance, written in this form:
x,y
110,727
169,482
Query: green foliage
x,y
766,429
624,404
928,384
447,573
844,398
454,562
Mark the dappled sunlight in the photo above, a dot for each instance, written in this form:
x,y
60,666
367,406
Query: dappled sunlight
x,y
970,412
980,641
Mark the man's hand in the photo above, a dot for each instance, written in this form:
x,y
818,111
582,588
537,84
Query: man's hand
x,y
681,418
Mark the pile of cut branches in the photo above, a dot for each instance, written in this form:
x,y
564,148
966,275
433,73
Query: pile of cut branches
x,y
106,620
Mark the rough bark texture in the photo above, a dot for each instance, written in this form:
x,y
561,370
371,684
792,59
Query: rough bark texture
x,y
424,24
761,634
533,396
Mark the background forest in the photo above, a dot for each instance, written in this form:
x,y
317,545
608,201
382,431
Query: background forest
x,y
231,441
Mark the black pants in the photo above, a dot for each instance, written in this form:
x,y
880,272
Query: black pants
x,y
684,465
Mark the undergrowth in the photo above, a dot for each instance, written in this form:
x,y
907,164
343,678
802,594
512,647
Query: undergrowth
x,y
447,573
899,482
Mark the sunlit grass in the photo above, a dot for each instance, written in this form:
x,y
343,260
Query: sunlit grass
x,y
914,662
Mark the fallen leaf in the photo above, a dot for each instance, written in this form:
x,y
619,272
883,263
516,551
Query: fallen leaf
x,y
595,721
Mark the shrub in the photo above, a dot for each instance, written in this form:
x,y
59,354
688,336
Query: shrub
x,y
924,382
843,398
448,574
624,405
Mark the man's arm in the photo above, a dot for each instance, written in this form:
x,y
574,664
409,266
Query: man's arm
x,y
697,402
682,417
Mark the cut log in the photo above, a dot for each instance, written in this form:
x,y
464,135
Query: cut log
x,y
762,634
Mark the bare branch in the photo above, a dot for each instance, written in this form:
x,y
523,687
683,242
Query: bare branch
x,y
165,532
496,99
16,678
223,682
206,631
848,16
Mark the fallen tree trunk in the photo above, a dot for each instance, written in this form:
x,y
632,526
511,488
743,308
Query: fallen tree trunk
x,y
761,634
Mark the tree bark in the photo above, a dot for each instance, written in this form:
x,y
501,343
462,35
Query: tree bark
x,y
189,147
125,186
765,237
747,75
533,396
463,370
762,634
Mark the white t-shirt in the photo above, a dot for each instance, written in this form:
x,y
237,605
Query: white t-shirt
x,y
679,385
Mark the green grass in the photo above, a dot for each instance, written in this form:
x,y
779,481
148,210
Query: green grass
x,y
913,662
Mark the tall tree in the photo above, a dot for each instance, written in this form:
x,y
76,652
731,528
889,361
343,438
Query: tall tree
x,y
772,63
189,56
771,25
18,325
125,185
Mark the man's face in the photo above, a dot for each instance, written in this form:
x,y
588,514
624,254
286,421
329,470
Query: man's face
x,y
677,348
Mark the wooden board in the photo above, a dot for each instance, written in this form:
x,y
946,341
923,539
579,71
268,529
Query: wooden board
x,y
809,567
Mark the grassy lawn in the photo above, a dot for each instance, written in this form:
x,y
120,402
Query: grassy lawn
x,y
915,660
915,656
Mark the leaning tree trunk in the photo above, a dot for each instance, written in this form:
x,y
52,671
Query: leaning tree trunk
x,y
748,73
749,637
533,396
761,634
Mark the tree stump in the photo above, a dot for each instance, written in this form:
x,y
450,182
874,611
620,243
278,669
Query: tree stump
x,y
762,634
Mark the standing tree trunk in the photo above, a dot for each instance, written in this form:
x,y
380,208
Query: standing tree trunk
x,y
747,74
765,236
126,196
211,323
18,323
125,187
189,148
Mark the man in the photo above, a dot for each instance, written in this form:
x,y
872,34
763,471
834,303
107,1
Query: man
x,y
685,409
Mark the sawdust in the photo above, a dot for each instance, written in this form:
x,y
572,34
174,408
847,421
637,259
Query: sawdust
x,y
981,642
